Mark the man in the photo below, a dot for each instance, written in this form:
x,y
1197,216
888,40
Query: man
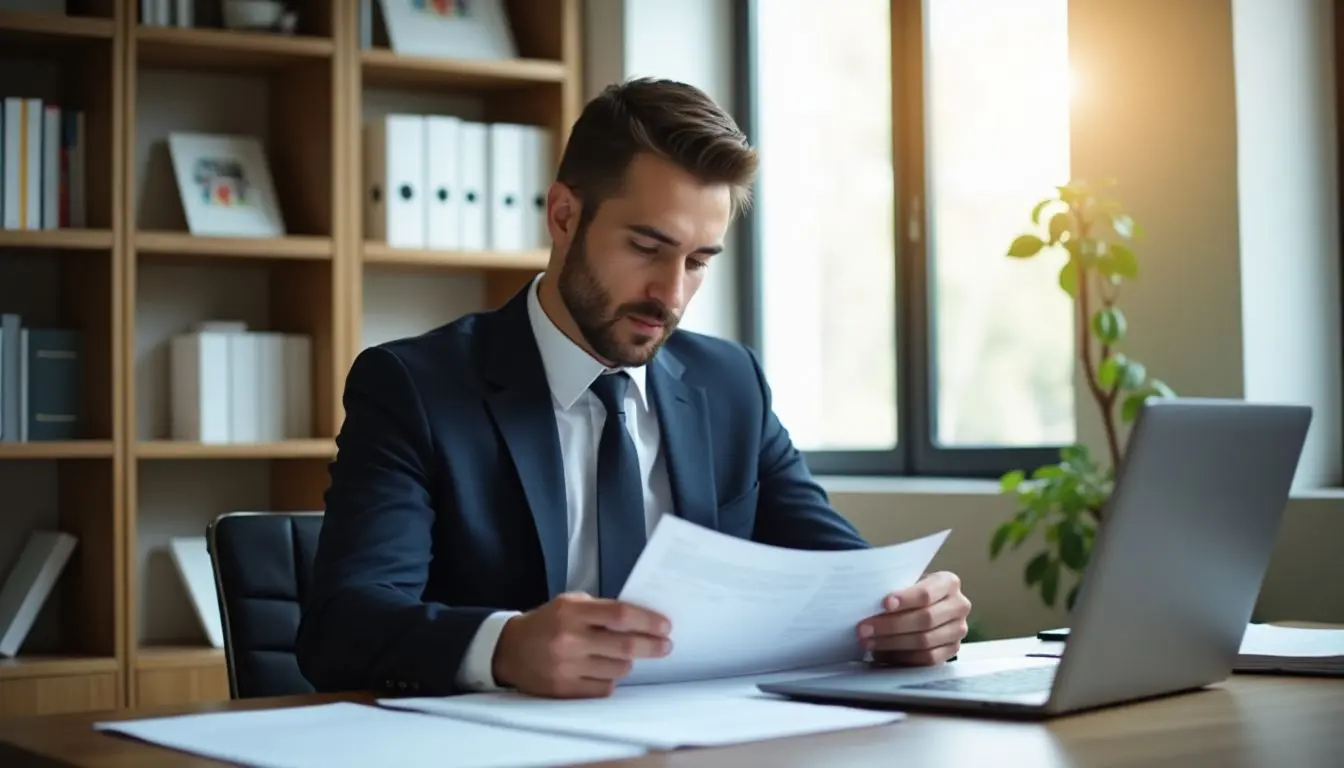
x,y
498,476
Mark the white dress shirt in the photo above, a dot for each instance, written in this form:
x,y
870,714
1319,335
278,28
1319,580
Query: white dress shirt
x,y
579,417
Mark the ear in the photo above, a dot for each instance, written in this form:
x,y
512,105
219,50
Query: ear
x,y
562,213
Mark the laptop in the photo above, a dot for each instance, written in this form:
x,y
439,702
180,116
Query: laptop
x,y
1168,593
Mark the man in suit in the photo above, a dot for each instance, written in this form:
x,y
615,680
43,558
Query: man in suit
x,y
498,476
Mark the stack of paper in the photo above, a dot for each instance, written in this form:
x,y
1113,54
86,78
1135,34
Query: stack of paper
x,y
671,720
347,734
1268,648
738,610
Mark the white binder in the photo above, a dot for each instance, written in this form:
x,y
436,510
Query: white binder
x,y
200,392
443,190
474,233
245,391
271,393
394,180
538,173
506,187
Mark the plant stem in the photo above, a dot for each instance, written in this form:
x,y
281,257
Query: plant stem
x,y
1105,400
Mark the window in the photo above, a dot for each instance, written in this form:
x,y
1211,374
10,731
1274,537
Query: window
x,y
903,145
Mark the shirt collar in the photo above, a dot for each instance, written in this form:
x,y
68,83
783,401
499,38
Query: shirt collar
x,y
569,369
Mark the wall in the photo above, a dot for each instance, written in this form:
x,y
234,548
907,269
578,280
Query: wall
x,y
1288,211
1217,118
629,38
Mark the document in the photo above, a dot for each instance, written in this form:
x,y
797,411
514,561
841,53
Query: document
x,y
347,734
658,717
738,607
1304,650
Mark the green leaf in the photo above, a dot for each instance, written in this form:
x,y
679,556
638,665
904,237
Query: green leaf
x,y
1109,324
1160,388
1122,261
1074,454
1059,226
1129,410
1133,375
1011,480
1068,277
1000,538
1025,246
1072,597
1047,472
1036,211
1035,570
1050,583
1108,373
1072,546
1123,225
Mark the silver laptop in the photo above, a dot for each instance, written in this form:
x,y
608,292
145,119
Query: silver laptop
x,y
1174,575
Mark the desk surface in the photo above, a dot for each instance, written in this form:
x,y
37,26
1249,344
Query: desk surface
x,y
1247,720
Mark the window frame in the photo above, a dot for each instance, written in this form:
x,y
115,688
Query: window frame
x,y
916,453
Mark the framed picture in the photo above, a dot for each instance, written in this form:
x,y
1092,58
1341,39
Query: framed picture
x,y
455,29
225,185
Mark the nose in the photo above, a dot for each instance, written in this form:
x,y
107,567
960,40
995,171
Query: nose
x,y
669,287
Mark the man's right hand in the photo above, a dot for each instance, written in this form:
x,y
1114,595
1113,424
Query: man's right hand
x,y
577,646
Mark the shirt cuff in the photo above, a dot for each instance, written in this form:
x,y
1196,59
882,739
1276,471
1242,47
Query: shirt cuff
x,y
477,670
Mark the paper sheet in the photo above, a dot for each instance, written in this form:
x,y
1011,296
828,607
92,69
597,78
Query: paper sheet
x,y
346,734
740,608
1295,642
1302,650
661,717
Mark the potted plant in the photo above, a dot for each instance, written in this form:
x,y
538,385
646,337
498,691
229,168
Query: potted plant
x,y
1065,500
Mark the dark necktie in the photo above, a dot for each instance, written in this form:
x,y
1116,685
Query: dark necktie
x,y
620,494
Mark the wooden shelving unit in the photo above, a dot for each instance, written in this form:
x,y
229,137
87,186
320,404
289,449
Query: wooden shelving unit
x,y
180,244
316,448
124,633
57,239
381,254
72,279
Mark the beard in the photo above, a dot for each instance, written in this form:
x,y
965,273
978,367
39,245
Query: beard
x,y
590,304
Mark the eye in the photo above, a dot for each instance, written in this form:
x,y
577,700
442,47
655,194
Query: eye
x,y
695,265
643,247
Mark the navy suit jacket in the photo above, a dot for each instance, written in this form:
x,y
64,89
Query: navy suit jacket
x,y
447,497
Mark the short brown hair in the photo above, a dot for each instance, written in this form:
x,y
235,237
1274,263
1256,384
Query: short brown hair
x,y
663,117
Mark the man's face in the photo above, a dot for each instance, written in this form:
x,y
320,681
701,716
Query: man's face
x,y
630,272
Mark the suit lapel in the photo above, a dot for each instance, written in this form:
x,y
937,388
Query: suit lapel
x,y
522,410
683,418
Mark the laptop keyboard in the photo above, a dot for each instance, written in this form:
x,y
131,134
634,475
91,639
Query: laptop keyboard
x,y
1008,682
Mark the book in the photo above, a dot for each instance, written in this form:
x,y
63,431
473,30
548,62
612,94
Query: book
x,y
29,583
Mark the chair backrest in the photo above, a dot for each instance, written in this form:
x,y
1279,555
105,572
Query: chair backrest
x,y
263,569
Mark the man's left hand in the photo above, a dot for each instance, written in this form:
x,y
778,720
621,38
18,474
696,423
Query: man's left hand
x,y
922,625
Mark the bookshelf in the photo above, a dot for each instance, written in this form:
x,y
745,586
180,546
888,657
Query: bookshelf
x,y
71,278
119,629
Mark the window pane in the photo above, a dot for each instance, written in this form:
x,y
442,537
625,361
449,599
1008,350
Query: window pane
x,y
826,202
998,132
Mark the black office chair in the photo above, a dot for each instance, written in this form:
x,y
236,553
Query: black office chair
x,y
263,565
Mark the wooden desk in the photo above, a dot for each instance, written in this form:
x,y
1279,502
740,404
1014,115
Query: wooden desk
x,y
1248,720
